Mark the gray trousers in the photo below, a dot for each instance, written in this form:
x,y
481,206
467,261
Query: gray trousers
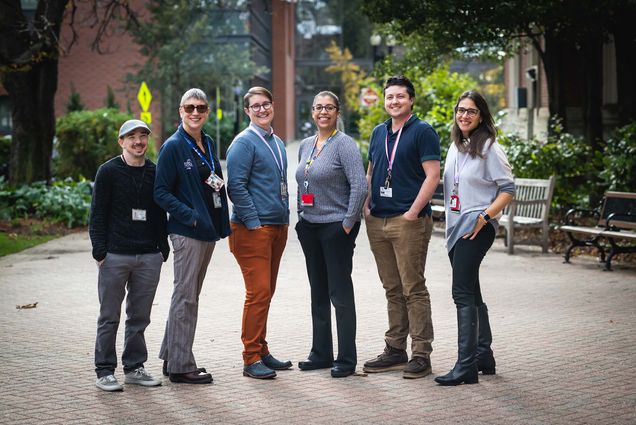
x,y
191,259
140,275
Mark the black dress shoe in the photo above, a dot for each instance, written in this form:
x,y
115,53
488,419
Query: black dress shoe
x,y
312,365
164,370
274,364
341,372
195,377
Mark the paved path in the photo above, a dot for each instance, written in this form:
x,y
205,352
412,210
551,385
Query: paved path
x,y
565,344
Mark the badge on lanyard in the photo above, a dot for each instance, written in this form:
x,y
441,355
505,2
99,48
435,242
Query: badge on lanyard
x,y
454,199
216,197
454,204
215,182
138,215
307,199
283,189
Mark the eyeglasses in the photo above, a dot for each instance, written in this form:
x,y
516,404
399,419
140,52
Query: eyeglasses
x,y
470,112
320,108
266,106
202,109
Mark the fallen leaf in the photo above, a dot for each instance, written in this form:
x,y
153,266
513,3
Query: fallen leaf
x,y
23,306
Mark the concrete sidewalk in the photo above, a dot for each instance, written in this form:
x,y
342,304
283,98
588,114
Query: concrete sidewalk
x,y
564,340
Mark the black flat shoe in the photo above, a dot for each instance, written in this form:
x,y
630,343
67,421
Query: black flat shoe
x,y
341,372
191,378
164,370
312,365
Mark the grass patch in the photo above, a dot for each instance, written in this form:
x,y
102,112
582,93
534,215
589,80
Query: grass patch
x,y
10,243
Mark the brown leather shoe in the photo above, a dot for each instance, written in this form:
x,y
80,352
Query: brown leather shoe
x,y
195,377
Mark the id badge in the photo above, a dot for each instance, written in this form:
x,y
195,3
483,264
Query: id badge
x,y
307,199
214,182
454,203
283,189
138,215
386,192
216,197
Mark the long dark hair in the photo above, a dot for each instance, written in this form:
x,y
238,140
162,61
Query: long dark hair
x,y
479,136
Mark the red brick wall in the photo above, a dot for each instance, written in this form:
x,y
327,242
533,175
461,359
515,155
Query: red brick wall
x,y
91,72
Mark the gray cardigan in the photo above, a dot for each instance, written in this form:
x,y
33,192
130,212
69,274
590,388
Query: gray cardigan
x,y
480,181
336,179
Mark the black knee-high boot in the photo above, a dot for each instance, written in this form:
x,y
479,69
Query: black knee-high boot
x,y
485,358
465,370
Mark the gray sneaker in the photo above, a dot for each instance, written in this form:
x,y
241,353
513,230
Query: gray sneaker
x,y
139,376
390,359
108,383
418,367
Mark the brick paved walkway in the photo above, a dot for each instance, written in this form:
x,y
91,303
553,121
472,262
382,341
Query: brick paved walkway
x,y
564,341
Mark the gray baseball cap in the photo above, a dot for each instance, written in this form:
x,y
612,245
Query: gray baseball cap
x,y
132,125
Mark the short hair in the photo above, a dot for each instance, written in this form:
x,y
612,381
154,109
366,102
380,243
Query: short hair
x,y
194,93
331,94
253,91
400,80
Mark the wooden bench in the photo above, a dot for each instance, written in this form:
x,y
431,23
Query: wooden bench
x,y
615,222
528,210
437,202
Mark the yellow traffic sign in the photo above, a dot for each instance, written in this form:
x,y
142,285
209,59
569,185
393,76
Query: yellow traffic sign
x,y
146,117
144,97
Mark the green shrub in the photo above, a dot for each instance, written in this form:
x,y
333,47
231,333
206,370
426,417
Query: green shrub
x,y
85,140
567,157
64,201
226,131
619,161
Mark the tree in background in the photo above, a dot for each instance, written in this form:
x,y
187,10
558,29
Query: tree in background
x,y
558,31
29,52
188,44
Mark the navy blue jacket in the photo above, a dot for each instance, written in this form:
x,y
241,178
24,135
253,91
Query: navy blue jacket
x,y
179,190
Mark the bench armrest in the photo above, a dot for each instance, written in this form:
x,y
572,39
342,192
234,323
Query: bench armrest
x,y
618,217
529,202
574,213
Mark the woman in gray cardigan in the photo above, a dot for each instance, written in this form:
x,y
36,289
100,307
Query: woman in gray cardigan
x,y
478,184
332,188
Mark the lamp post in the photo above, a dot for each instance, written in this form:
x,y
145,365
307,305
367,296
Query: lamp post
x,y
238,88
375,40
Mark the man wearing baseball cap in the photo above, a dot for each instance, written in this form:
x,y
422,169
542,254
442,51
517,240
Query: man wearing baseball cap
x,y
130,243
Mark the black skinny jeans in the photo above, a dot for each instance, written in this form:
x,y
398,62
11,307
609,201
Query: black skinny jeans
x,y
466,257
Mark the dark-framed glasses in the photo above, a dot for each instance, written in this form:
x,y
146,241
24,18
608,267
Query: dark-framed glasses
x,y
266,106
328,108
469,112
202,109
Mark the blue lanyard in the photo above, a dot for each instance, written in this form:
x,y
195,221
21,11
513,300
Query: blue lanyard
x,y
203,158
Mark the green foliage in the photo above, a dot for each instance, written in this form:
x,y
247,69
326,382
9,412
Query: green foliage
x,y
619,161
226,131
74,101
572,161
66,201
110,101
85,140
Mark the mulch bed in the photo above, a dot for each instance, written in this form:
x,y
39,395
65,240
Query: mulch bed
x,y
31,226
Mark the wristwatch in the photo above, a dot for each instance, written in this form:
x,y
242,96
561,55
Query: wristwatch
x,y
485,216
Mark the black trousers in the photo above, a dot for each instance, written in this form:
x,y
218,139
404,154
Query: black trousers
x,y
466,257
329,258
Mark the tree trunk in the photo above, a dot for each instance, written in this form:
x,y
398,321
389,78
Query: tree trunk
x,y
32,95
592,54
555,77
625,45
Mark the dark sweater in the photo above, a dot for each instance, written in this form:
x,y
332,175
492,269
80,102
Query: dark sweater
x,y
118,189
180,191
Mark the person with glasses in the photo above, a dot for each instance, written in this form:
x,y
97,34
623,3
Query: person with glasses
x,y
478,184
403,173
257,186
190,187
331,191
